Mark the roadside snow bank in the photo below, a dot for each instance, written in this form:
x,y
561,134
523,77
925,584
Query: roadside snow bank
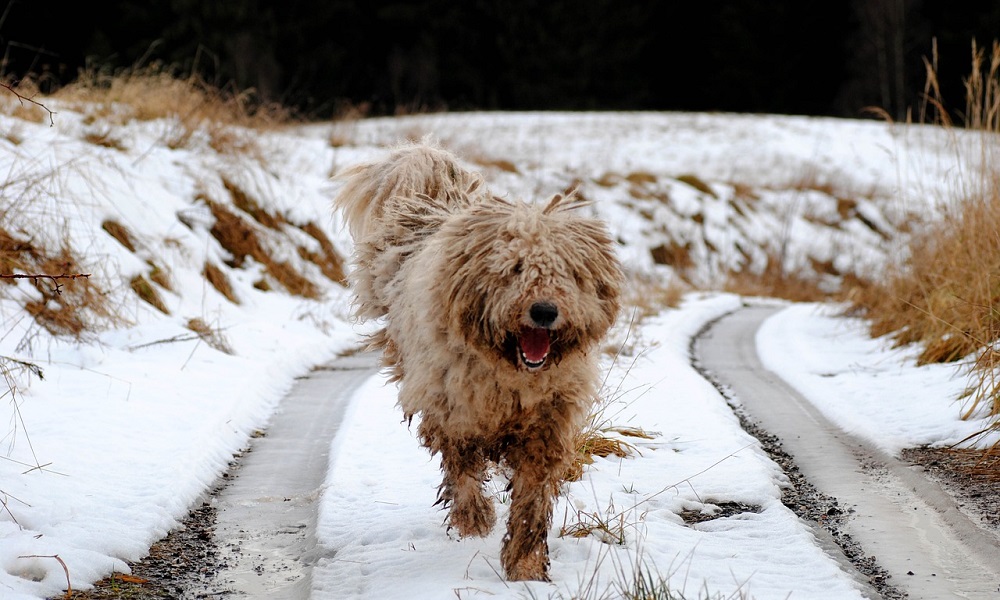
x,y
863,385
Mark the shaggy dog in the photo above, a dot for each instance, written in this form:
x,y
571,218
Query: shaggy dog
x,y
493,310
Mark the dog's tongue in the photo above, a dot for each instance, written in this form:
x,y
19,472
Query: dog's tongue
x,y
535,343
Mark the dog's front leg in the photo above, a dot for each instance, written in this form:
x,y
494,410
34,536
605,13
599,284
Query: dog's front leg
x,y
537,463
464,465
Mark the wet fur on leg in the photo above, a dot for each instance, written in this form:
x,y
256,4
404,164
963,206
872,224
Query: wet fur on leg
x,y
470,512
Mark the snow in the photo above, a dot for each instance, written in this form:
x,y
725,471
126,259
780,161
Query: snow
x,y
390,543
865,386
134,421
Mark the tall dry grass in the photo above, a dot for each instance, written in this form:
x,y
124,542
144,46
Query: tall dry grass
x,y
225,117
945,295
154,92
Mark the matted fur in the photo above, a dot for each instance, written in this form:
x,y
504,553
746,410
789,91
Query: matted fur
x,y
494,311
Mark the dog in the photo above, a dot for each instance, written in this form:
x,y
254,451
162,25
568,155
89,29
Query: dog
x,y
494,311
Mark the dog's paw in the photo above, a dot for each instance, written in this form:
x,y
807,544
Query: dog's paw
x,y
532,567
473,518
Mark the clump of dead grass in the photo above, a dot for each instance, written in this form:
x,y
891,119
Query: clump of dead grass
x,y
218,279
120,233
148,294
223,118
611,527
601,436
247,204
213,336
673,254
241,239
647,297
160,276
495,163
67,301
775,281
698,184
105,139
602,440
329,261
945,293
156,92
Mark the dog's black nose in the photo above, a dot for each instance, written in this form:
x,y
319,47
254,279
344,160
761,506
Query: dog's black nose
x,y
543,313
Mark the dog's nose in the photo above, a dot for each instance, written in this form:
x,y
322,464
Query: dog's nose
x,y
544,314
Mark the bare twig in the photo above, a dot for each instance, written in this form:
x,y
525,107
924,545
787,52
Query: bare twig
x,y
8,378
6,509
55,278
37,276
30,366
170,340
69,587
23,99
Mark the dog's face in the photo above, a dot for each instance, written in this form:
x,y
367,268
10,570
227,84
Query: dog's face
x,y
529,285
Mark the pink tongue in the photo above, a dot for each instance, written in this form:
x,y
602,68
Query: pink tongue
x,y
535,343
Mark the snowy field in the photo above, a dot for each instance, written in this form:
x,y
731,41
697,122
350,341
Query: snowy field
x,y
134,420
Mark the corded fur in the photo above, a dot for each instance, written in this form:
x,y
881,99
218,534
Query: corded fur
x,y
494,310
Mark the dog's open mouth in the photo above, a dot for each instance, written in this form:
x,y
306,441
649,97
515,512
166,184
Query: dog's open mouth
x,y
533,346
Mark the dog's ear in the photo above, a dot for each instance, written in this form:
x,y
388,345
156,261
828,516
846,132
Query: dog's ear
x,y
553,203
568,201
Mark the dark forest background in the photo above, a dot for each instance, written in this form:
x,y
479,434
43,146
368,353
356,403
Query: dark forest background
x,y
821,57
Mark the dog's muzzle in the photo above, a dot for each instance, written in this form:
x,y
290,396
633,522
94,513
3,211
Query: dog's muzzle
x,y
534,342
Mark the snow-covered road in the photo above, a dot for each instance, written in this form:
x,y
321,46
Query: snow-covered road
x,y
266,514
915,529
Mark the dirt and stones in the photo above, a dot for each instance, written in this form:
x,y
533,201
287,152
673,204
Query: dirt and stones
x,y
821,510
972,477
183,560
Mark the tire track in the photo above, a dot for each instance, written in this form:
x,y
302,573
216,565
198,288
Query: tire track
x,y
266,516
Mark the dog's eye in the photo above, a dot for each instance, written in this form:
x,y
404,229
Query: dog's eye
x,y
518,267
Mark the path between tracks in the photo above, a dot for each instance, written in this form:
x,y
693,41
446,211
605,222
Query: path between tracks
x,y
912,527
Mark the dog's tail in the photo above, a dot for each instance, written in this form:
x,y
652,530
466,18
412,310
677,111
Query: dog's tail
x,y
390,206
416,179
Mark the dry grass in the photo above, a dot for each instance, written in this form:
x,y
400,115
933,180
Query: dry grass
x,y
641,178
234,234
242,240
160,276
63,304
774,281
329,261
148,294
247,204
673,254
218,279
610,527
288,276
120,233
223,118
495,163
156,92
647,297
946,293
105,139
212,336
696,182
604,441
